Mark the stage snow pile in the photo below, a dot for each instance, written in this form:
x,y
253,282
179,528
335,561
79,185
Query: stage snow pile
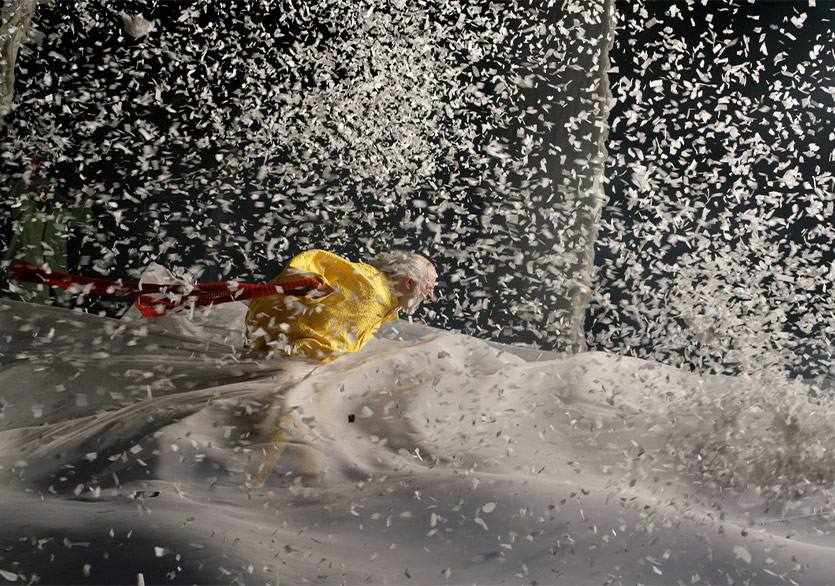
x,y
125,447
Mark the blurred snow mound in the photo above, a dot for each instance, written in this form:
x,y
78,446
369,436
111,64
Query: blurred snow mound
x,y
451,396
432,438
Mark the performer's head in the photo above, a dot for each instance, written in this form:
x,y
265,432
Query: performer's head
x,y
411,276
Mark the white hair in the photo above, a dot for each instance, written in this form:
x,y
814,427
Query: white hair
x,y
400,263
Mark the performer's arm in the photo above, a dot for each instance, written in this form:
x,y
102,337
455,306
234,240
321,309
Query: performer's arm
x,y
304,266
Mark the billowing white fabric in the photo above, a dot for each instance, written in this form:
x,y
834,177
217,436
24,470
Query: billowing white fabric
x,y
224,325
464,462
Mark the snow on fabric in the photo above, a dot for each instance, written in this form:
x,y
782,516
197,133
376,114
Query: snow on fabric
x,y
124,449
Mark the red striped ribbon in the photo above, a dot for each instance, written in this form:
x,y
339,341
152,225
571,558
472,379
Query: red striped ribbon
x,y
199,295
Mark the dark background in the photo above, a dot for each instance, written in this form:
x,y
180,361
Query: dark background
x,y
714,247
237,135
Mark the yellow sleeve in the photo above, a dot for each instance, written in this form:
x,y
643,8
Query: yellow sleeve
x,y
306,265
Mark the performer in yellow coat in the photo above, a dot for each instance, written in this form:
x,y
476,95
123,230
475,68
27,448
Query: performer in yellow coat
x,y
353,300
351,303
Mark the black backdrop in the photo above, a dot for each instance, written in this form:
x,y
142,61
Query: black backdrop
x,y
723,112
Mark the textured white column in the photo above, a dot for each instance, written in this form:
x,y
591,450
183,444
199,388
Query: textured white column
x,y
594,197
15,29
581,131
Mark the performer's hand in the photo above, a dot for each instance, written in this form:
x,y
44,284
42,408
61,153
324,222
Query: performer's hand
x,y
319,291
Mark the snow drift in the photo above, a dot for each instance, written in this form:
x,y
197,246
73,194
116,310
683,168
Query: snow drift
x,y
125,446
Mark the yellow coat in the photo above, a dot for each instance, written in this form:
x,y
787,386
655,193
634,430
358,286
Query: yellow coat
x,y
325,328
